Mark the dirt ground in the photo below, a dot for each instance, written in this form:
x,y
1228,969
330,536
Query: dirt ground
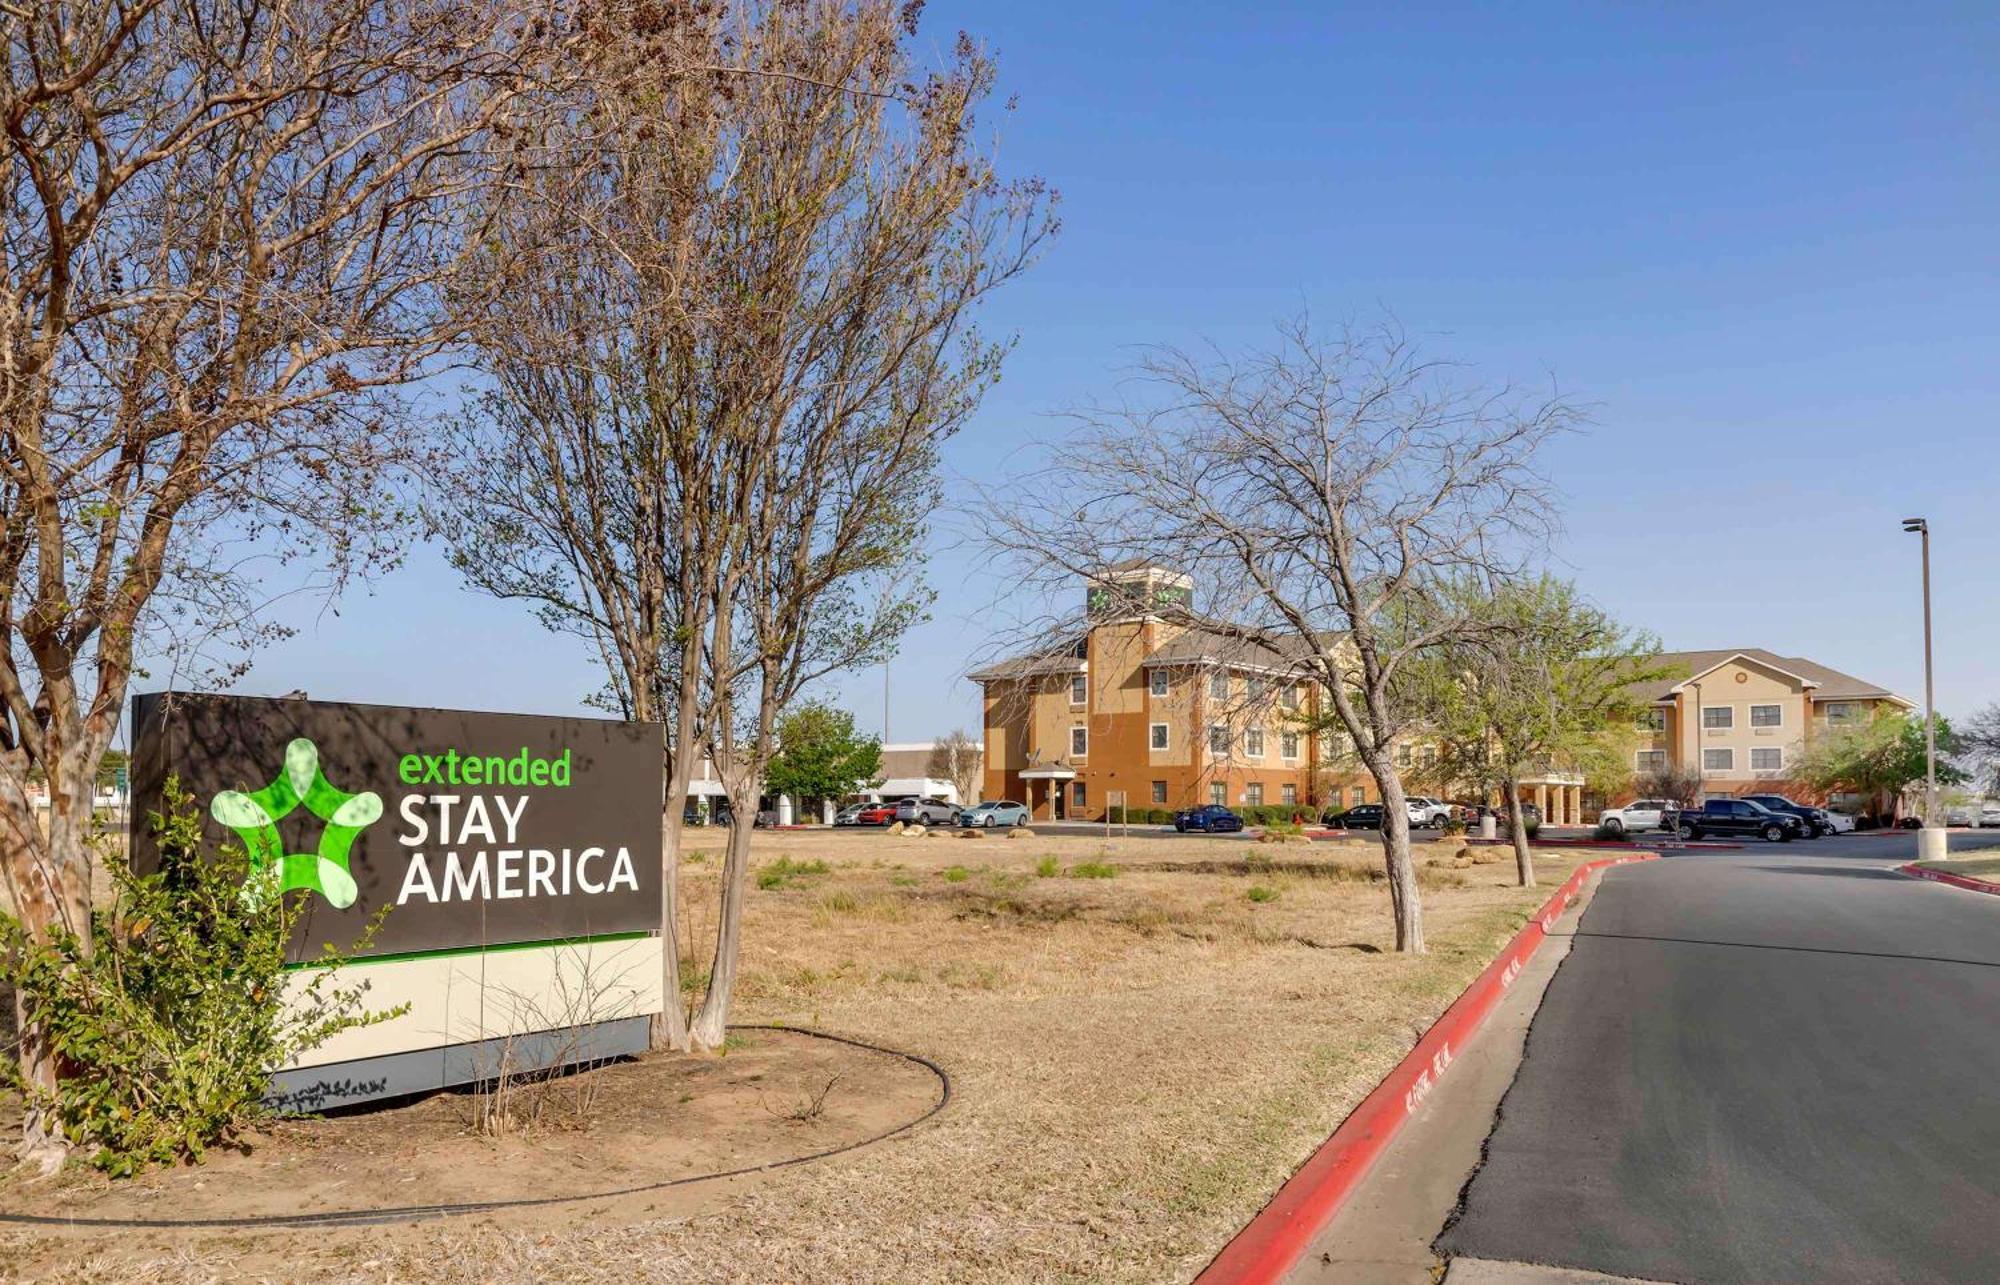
x,y
1145,1037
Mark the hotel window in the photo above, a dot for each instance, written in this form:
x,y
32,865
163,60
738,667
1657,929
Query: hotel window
x,y
1079,742
1430,756
1218,739
1288,794
1159,681
1767,760
1253,743
1652,720
1650,761
1842,712
1290,697
1218,794
1358,795
1288,745
1767,716
1218,685
1076,793
1079,690
1718,760
1159,733
1159,791
1253,794
1718,716
1402,756
1255,687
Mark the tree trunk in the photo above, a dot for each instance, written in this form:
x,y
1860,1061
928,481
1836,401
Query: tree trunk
x,y
668,1029
1517,829
1403,897
47,877
711,1024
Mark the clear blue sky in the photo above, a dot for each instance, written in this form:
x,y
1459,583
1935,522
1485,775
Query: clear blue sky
x,y
1764,241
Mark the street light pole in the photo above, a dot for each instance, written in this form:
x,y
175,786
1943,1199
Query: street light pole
x,y
1922,527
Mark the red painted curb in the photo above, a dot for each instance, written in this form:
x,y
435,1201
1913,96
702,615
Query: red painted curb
x,y
1272,1243
1966,882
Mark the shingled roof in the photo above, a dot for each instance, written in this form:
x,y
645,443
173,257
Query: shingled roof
x,y
1826,683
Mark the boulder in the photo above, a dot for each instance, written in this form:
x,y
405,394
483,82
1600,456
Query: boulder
x,y
915,830
1020,832
896,827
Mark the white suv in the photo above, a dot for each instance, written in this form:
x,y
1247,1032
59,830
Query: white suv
x,y
1426,813
1639,815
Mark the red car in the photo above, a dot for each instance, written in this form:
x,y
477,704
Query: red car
x,y
876,814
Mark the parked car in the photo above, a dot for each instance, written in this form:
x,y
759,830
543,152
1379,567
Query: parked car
x,y
916,811
991,812
1816,819
1843,822
1212,819
1427,813
1965,814
1637,816
718,814
1734,816
849,815
1362,816
881,813
1989,814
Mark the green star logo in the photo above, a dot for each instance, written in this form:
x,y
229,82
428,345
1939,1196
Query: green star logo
x,y
255,818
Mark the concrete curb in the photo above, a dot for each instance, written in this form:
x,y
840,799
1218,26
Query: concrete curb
x,y
1272,1243
1966,882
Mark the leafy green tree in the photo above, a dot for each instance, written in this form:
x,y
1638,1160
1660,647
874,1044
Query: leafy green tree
x,y
820,756
1549,683
1879,759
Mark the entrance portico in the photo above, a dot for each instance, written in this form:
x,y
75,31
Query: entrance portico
x,y
1052,780
1557,795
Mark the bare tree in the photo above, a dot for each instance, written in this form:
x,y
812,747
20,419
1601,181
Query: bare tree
x,y
1321,495
229,229
959,759
749,254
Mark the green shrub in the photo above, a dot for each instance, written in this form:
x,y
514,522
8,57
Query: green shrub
x,y
1047,868
956,874
1093,870
1452,827
781,873
169,1027
1138,816
1532,824
1258,892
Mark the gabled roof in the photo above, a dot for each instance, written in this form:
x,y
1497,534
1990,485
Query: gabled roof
x,y
1822,683
1259,650
1054,660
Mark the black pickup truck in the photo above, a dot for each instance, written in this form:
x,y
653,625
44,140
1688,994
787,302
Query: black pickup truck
x,y
1732,816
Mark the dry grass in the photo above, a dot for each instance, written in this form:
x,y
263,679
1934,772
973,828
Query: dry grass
x,y
1138,1060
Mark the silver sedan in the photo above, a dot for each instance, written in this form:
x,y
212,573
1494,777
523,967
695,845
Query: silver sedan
x,y
994,812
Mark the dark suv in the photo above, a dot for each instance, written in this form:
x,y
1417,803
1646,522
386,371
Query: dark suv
x,y
1362,816
1816,820
1733,816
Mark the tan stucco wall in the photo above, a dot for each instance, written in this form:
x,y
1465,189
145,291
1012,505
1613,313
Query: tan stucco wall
x,y
455,999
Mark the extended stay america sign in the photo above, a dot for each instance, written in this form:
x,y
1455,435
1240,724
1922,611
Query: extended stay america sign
x,y
474,829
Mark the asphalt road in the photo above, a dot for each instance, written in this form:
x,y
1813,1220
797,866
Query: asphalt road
x,y
1776,1064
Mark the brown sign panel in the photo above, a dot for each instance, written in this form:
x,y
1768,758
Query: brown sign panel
x,y
473,829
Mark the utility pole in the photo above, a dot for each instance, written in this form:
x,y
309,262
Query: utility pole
x,y
1931,836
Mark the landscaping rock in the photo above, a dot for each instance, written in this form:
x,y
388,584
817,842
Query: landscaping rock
x,y
1020,832
915,830
969,833
896,827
